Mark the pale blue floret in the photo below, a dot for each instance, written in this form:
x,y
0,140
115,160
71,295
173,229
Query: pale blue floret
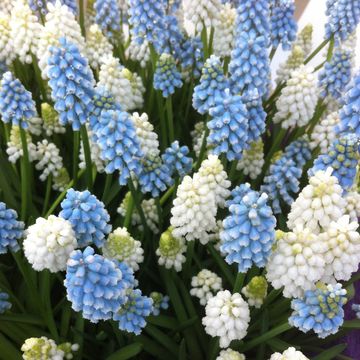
x,y
249,230
72,84
343,157
228,127
38,6
107,15
4,303
299,151
160,301
16,103
319,310
95,285
191,56
176,159
118,143
11,230
211,87
88,217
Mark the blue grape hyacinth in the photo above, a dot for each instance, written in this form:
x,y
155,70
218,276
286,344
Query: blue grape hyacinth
x,y
336,74
16,103
283,24
167,78
11,230
5,304
160,301
119,145
191,56
343,157
211,87
107,15
320,310
176,159
88,217
72,84
299,151
94,285
249,230
228,127
131,316
38,6
71,4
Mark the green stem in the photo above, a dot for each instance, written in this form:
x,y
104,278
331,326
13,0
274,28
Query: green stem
x,y
163,127
76,155
87,153
170,119
272,53
137,203
166,196
204,41
39,78
202,149
47,193
79,334
107,186
240,277
331,48
316,51
129,212
26,193
159,211
211,41
82,18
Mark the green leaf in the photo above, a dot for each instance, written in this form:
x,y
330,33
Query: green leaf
x,y
167,322
22,318
8,350
162,339
351,324
153,348
126,352
182,350
331,353
224,267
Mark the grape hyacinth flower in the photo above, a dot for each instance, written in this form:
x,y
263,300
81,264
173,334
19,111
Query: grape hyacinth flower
x,y
48,243
304,39
283,24
61,181
228,127
159,302
138,52
15,148
289,354
38,6
256,291
50,118
50,160
299,151
72,84
95,285
230,354
119,144
343,157
6,45
294,60
107,16
131,316
166,76
88,217
205,285
227,316
249,230
16,103
11,230
211,87
176,159
320,310
252,160
5,304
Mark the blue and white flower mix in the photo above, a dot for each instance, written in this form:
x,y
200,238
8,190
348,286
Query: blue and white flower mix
x,y
160,196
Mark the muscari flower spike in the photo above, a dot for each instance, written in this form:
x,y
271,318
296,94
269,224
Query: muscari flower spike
x,y
252,160
289,354
119,144
16,103
211,87
38,6
191,56
230,354
256,291
4,303
283,24
249,230
343,157
11,230
176,159
107,15
320,310
95,285
88,217
336,74
299,151
131,316
72,84
160,301
166,77
228,127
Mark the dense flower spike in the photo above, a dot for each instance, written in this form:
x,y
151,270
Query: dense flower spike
x,y
320,310
249,230
230,354
252,160
119,144
38,7
171,250
343,17
107,15
120,245
5,304
15,148
176,159
50,160
343,157
191,57
16,104
228,127
166,77
256,291
11,230
61,181
297,102
352,208
299,151
95,285
297,262
204,285
6,6
138,52
131,316
304,39
72,84
211,87
294,60
289,354
159,302
48,243
6,45
283,24
50,118
227,316
87,216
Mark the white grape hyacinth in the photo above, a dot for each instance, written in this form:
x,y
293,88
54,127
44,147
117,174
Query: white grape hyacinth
x,y
6,6
50,160
289,354
204,285
319,203
294,60
304,39
51,122
120,245
343,249
230,354
252,161
352,208
35,125
48,243
227,316
297,262
197,136
14,148
323,134
297,101
138,52
7,54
